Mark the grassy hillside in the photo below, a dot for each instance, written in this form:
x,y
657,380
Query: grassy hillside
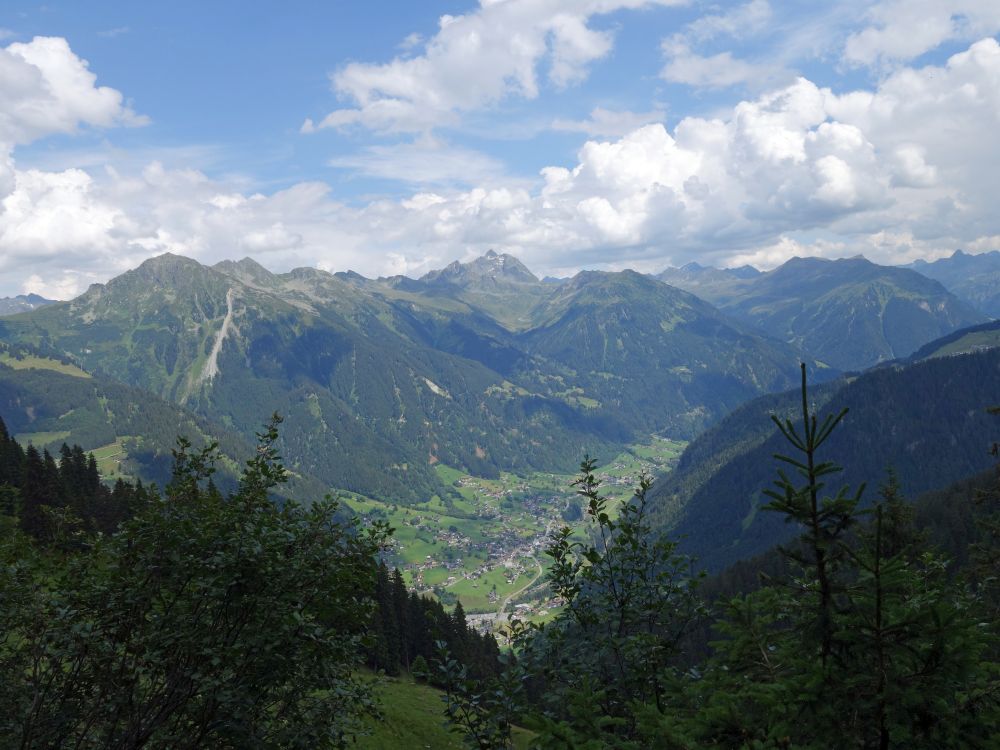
x,y
413,719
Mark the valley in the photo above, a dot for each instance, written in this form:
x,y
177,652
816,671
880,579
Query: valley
x,y
510,375
486,548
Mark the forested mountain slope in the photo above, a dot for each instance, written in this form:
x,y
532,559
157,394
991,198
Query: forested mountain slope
x,y
48,402
655,354
927,420
380,379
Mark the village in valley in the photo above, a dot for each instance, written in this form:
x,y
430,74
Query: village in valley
x,y
484,544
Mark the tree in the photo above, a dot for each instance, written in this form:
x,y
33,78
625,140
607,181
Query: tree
x,y
601,670
207,621
866,643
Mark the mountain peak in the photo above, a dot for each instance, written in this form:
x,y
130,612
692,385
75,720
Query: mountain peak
x,y
165,268
246,270
694,266
744,272
167,260
23,303
492,267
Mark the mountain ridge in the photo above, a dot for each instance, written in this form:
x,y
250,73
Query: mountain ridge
x,y
379,382
850,313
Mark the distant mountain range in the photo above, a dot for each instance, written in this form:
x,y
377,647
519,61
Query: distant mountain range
x,y
849,313
974,278
478,366
22,303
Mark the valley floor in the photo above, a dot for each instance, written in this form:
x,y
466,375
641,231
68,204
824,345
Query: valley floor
x,y
487,549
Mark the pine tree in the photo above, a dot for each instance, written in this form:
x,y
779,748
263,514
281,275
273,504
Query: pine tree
x,y
399,604
34,494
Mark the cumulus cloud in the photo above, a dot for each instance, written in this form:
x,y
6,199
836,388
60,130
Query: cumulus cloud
x,y
474,61
906,169
902,30
47,89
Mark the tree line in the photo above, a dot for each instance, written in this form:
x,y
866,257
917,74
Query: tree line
x,y
407,630
204,620
61,498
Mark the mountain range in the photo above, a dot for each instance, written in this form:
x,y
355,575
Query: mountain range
x,y
480,366
22,303
849,313
974,278
379,380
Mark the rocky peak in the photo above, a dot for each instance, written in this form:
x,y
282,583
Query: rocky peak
x,y
247,270
493,266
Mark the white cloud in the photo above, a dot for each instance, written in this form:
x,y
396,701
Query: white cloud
x,y
741,21
720,70
908,168
112,33
475,61
609,123
62,285
902,30
46,88
713,71
785,247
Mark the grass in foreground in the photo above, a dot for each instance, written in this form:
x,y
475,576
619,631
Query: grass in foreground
x,y
413,719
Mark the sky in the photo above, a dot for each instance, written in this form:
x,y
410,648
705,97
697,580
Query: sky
x,y
395,137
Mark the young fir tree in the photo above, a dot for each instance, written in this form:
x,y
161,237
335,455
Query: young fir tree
x,y
866,645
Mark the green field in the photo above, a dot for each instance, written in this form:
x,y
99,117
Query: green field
x,y
487,537
109,458
31,362
42,439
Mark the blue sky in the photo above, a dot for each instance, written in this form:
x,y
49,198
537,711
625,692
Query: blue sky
x,y
396,137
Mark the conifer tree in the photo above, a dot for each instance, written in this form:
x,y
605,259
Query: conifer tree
x,y
34,494
865,644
